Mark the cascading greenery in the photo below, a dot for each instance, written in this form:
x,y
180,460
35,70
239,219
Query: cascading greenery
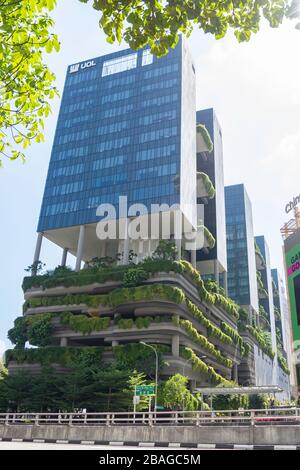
x,y
201,129
204,343
209,187
283,363
202,367
235,337
261,340
212,330
210,297
149,265
113,298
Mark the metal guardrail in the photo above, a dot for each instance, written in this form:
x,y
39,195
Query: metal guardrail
x,y
167,418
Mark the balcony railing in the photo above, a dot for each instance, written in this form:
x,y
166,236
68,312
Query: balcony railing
x,y
272,416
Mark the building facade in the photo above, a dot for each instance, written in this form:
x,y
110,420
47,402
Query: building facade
x,y
242,282
126,128
212,262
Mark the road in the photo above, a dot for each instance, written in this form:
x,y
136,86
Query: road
x,y
38,446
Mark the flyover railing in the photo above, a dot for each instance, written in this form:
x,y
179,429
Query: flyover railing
x,y
168,418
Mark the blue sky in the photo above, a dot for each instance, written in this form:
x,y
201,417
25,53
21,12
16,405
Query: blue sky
x,y
255,91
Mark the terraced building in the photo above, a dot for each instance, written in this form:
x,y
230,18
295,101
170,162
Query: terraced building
x,y
194,330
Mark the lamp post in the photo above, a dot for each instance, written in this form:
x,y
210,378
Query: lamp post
x,y
156,371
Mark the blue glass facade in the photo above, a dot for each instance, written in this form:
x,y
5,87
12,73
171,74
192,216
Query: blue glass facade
x,y
118,133
242,284
214,211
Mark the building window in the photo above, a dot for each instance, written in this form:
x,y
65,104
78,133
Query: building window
x,y
147,58
121,64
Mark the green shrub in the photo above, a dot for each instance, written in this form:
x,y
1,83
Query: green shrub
x,y
209,187
283,363
37,329
230,402
125,324
201,129
85,324
134,276
49,355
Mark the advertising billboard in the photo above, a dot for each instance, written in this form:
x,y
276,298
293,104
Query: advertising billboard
x,y
292,257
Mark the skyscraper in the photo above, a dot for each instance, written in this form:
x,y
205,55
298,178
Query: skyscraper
x,y
126,127
242,283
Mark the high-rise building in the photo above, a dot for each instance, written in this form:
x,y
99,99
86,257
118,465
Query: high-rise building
x,y
212,261
126,127
242,282
250,284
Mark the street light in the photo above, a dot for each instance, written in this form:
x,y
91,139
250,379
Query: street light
x,y
156,371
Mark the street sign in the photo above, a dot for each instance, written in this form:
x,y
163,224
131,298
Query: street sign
x,y
136,400
141,390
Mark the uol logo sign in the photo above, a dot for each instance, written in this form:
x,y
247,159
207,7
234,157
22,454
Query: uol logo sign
x,y
84,65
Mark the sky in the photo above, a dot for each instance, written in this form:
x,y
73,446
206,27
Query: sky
x,y
255,90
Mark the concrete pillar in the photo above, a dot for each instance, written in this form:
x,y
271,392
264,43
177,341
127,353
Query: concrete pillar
x,y
178,246
126,244
80,247
225,283
235,372
194,258
175,345
64,342
193,385
114,342
216,271
37,252
64,257
102,248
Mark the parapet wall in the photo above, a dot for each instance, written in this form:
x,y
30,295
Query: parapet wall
x,y
251,435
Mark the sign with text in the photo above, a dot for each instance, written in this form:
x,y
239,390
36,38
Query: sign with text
x,y
141,390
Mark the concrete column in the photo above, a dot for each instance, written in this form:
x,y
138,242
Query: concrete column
x,y
102,248
193,385
64,257
37,251
64,342
235,372
194,258
178,246
216,271
225,283
80,247
175,345
114,342
126,244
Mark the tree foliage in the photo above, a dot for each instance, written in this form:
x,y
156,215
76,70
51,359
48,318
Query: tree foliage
x,y
176,396
158,22
26,83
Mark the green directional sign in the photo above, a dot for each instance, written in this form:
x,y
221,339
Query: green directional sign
x,y
141,390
